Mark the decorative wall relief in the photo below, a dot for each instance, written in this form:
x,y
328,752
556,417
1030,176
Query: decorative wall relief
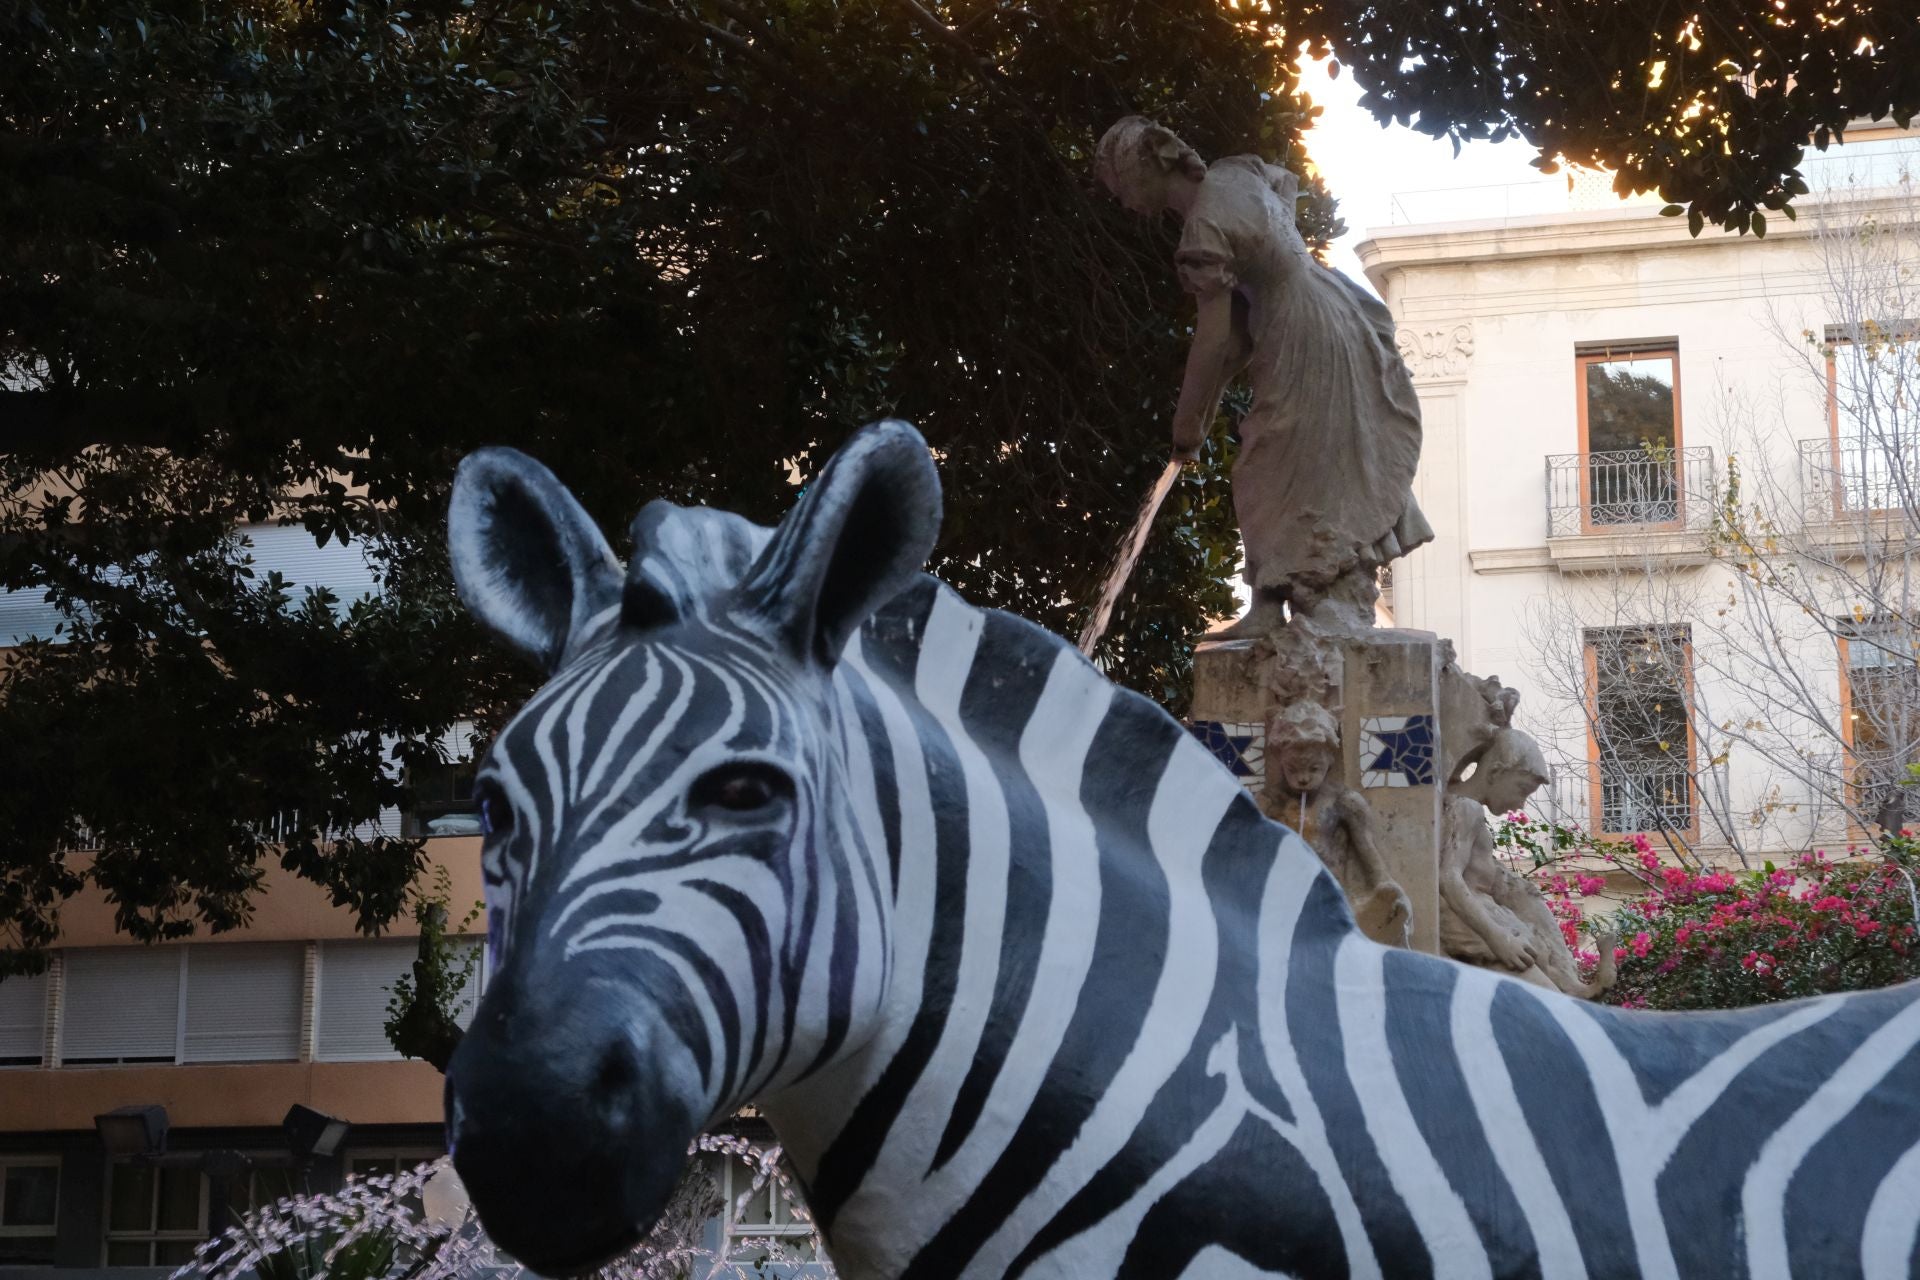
x,y
1436,351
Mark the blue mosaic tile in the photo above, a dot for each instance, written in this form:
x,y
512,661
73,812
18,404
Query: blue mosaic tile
x,y
1240,747
1397,751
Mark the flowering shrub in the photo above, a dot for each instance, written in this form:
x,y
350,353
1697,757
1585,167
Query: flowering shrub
x,y
1721,940
1698,938
1561,860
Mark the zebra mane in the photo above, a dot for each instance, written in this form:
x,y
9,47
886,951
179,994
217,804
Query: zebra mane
x,y
686,558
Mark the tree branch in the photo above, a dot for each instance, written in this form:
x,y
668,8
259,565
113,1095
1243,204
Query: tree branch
x,y
57,423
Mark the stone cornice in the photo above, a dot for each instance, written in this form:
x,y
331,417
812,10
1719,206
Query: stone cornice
x,y
1636,227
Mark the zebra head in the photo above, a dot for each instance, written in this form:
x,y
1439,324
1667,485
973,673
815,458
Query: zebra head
x,y
683,911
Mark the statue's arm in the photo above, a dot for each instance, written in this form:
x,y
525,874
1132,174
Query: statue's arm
x,y
1357,817
1220,350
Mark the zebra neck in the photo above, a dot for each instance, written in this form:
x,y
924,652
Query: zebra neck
x,y
1066,859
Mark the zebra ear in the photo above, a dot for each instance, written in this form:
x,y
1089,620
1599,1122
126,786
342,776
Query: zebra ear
x,y
858,537
528,560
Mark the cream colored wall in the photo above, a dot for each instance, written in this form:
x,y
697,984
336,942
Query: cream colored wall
x,y
290,909
1499,399
241,1095
244,1095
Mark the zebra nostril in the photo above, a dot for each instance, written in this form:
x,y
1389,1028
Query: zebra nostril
x,y
619,1070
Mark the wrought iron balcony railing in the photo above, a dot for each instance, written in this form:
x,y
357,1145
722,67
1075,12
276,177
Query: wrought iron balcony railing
x,y
1645,796
1860,475
1628,490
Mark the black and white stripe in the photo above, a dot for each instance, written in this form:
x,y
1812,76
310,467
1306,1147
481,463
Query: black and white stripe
x,y
1031,988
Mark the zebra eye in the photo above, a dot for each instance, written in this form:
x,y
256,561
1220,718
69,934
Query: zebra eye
x,y
742,788
496,815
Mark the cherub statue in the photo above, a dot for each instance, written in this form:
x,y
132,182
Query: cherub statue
x,y
1303,790
1323,484
1488,915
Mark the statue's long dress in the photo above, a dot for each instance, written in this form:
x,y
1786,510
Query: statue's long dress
x,y
1327,453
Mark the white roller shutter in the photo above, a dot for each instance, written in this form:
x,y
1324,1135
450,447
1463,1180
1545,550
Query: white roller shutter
x,y
26,615
291,551
356,981
243,1002
121,1002
23,1017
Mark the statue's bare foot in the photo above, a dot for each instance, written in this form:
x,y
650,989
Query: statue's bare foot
x,y
1265,618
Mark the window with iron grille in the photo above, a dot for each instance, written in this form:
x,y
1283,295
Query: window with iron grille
x,y
1642,738
1881,700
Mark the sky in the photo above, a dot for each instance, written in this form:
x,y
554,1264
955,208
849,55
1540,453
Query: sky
x,y
1366,165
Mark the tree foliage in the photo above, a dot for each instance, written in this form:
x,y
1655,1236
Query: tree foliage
x,y
1712,103
280,260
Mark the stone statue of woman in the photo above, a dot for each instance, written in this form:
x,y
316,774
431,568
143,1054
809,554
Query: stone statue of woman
x,y
1323,485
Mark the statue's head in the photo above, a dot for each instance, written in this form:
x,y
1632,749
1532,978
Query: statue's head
x,y
1512,769
1137,160
1303,746
684,912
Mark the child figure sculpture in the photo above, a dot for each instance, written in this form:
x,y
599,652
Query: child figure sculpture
x,y
1303,742
1488,915
1323,484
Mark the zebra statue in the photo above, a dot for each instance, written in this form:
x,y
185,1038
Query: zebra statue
x,y
1024,981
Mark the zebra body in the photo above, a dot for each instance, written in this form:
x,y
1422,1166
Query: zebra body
x,y
1026,983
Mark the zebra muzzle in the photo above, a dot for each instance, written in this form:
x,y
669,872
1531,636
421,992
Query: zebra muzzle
x,y
568,1133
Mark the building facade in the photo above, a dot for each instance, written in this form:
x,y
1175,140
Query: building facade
x,y
1627,429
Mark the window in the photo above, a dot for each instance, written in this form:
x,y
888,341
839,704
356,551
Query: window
x,y
443,802
260,1187
339,567
1642,739
122,1004
243,1003
214,1002
1873,386
1630,435
752,1216
23,1020
356,982
29,1208
443,799
1880,710
156,1214
374,1162
390,1163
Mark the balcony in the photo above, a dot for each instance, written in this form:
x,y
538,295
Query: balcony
x,y
1629,508
1854,478
1625,797
1645,796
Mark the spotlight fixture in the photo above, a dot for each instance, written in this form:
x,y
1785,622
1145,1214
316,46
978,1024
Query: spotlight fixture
x,y
139,1130
313,1134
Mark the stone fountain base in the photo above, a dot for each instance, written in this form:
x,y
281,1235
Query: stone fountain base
x,y
1409,721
